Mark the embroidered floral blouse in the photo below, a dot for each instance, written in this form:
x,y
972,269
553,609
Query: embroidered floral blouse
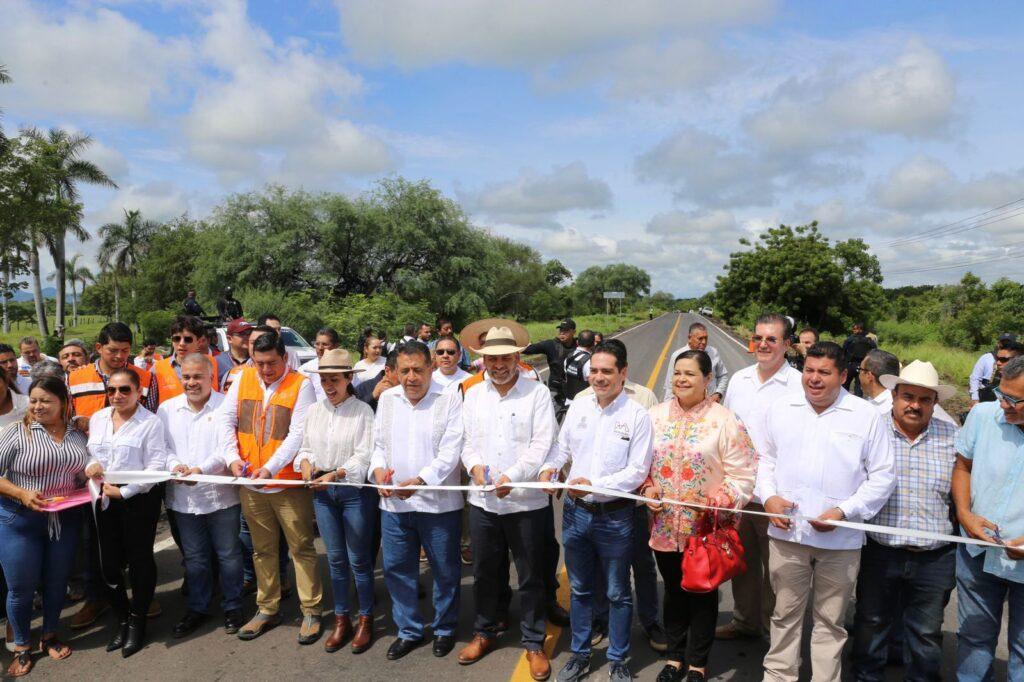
x,y
697,453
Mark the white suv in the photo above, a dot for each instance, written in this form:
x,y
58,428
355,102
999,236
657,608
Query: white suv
x,y
706,311
293,341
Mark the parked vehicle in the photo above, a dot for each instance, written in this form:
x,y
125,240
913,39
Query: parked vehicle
x,y
293,341
706,311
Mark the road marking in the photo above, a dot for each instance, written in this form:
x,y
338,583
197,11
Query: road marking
x,y
727,334
545,368
664,351
552,632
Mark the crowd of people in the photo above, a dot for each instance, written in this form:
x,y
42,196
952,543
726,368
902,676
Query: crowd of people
x,y
785,451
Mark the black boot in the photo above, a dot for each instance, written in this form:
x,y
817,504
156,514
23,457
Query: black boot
x,y
120,635
136,638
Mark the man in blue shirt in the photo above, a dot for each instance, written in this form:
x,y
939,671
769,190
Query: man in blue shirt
x,y
988,490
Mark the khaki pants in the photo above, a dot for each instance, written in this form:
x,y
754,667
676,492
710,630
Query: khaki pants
x,y
266,514
752,592
798,572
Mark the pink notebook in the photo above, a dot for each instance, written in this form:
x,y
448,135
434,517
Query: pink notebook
x,y
75,499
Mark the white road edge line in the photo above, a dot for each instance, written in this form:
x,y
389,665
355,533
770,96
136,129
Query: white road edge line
x,y
727,334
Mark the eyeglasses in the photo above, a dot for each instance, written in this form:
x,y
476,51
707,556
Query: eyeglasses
x,y
1009,400
863,370
770,340
183,339
446,351
1003,358
123,390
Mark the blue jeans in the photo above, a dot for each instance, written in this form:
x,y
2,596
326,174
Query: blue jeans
x,y
248,568
599,543
33,560
347,518
980,598
645,576
898,585
439,535
202,536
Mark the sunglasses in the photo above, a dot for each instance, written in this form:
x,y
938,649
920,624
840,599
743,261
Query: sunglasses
x,y
1009,400
446,351
123,390
770,340
1003,358
183,339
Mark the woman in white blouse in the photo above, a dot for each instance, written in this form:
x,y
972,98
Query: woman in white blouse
x,y
373,360
336,445
12,405
127,437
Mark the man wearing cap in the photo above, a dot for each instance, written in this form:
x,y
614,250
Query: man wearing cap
x,y
697,339
238,332
556,350
607,439
987,482
985,369
418,441
906,579
73,355
228,307
326,339
509,429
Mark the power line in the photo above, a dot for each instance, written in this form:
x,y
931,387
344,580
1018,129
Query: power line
x,y
993,215
961,264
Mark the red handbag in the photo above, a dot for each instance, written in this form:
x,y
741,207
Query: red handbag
x,y
712,556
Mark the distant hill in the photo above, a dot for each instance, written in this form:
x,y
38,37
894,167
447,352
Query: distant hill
x,y
26,294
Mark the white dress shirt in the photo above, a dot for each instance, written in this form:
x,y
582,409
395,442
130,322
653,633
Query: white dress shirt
x,y
422,440
193,439
641,394
289,447
338,437
749,398
139,445
308,370
982,371
370,370
840,458
511,435
19,406
446,381
609,446
719,373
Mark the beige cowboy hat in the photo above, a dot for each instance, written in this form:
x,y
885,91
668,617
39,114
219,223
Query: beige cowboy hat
x,y
336,361
921,374
495,336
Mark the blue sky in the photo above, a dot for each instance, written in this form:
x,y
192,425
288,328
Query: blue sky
x,y
652,132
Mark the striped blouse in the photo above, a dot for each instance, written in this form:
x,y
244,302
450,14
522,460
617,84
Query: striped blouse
x,y
32,460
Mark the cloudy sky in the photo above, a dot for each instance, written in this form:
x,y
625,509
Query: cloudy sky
x,y
653,132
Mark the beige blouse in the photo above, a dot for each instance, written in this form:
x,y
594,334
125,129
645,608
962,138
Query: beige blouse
x,y
697,453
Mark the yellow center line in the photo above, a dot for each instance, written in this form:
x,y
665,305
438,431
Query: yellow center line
x,y
554,632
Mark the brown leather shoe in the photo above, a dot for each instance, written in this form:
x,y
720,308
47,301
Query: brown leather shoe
x,y
731,631
342,629
477,649
88,614
364,635
540,666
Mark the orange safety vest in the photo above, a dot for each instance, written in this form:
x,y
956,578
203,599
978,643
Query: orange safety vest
x,y
261,430
169,383
89,391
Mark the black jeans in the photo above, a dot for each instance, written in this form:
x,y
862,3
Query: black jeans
x,y
126,532
493,536
690,617
921,583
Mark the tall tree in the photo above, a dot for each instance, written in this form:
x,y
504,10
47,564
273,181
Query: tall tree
x,y
124,245
75,272
63,151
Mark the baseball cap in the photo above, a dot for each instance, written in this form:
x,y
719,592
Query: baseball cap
x,y
238,327
566,325
1007,336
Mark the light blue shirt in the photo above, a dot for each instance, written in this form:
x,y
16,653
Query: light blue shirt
x,y
996,450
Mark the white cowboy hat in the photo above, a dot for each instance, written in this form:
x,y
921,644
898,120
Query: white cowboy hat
x,y
921,374
336,361
475,335
500,341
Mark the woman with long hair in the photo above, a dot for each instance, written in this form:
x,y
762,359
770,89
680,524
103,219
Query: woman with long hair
x,y
42,458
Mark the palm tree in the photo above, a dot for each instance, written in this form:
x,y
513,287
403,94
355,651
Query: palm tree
x,y
123,246
64,152
74,273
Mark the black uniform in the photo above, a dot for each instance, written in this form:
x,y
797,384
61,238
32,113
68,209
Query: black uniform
x,y
229,309
574,367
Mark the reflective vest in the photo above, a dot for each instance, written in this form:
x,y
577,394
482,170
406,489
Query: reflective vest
x,y
574,366
169,383
261,430
88,389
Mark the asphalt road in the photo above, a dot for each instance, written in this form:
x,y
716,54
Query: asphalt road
x,y
212,655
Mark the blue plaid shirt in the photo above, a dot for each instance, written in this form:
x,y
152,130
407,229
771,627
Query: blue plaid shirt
x,y
924,476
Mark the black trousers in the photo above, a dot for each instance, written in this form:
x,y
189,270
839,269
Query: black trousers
x,y
126,531
690,617
493,536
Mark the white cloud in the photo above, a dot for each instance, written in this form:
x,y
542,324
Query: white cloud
x,y
913,96
534,200
109,160
90,62
695,228
158,201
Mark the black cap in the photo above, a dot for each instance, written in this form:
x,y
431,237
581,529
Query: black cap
x,y
1007,336
566,325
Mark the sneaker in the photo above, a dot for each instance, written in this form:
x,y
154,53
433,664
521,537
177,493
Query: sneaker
x,y
670,673
619,672
656,637
575,669
598,632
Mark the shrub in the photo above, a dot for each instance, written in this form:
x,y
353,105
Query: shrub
x,y
155,325
383,312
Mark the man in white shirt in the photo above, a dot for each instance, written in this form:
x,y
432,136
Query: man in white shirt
x,y
985,368
828,457
30,355
207,515
509,427
607,439
697,339
448,374
264,417
326,339
418,441
751,392
875,364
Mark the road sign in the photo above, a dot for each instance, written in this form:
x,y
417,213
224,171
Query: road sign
x,y
615,294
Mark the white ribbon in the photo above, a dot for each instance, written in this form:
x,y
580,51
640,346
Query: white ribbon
x,y
154,477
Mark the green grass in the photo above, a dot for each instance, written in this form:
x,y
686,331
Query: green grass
x,y
87,329
606,324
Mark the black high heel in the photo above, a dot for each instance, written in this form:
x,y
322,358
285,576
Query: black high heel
x,y
136,636
120,635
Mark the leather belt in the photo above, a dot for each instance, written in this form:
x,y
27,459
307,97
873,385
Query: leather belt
x,y
599,508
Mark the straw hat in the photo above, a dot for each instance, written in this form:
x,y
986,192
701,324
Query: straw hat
x,y
921,374
336,361
500,336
